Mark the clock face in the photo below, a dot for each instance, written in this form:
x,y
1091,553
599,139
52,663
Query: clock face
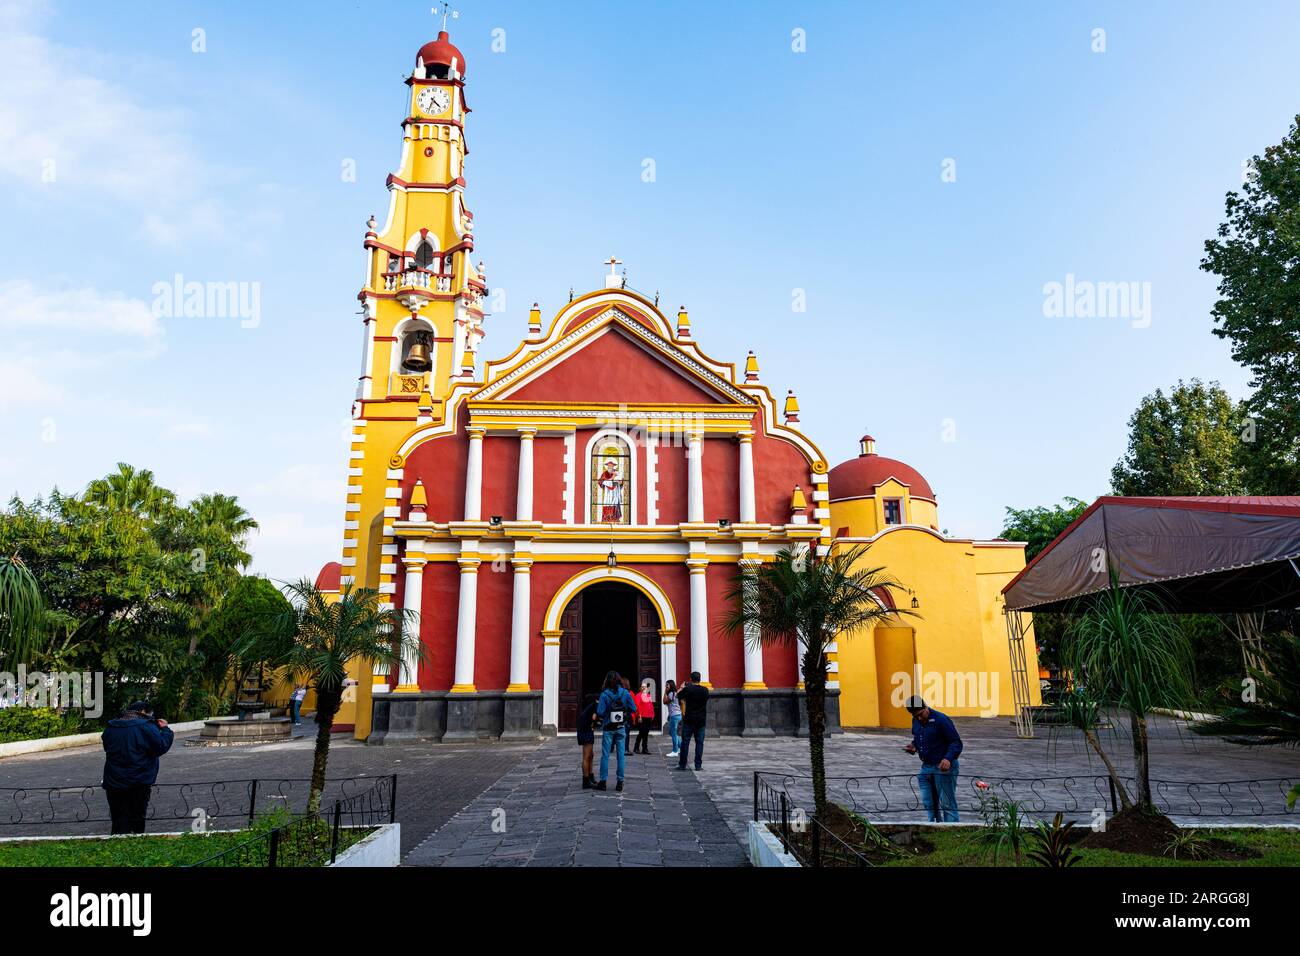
x,y
433,100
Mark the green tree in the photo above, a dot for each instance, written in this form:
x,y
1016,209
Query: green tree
x,y
1257,259
21,608
1039,527
317,639
815,600
1188,442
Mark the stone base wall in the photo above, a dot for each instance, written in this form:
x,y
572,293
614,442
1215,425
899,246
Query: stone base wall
x,y
497,715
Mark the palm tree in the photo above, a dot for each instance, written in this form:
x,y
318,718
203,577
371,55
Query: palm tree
x,y
226,513
21,608
1274,719
319,637
1130,654
812,599
129,490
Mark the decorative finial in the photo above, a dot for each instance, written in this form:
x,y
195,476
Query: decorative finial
x,y
570,293
372,223
656,298
445,12
791,409
751,367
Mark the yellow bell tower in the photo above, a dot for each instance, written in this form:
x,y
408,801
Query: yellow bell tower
x,y
421,313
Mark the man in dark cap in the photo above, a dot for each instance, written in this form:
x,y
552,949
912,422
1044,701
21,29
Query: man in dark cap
x,y
936,741
132,745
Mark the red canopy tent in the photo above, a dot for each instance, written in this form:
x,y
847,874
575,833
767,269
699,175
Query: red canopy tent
x,y
1238,555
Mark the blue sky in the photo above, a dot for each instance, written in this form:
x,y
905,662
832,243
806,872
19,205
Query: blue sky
x,y
127,158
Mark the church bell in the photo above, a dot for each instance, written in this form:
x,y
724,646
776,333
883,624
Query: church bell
x,y
417,353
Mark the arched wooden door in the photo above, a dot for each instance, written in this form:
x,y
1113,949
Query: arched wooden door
x,y
637,655
571,664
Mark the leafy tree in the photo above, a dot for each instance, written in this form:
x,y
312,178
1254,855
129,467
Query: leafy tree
x,y
317,639
1038,527
126,574
1257,259
1188,442
21,608
815,600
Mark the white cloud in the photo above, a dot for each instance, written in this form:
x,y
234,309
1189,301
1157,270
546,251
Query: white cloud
x,y
66,131
24,308
288,546
22,384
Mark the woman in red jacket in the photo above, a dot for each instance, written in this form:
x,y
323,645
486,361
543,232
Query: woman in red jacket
x,y
645,716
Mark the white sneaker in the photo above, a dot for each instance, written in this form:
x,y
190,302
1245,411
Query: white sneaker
x,y
674,754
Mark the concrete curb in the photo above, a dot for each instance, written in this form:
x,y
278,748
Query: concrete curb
x,y
381,848
765,849
17,748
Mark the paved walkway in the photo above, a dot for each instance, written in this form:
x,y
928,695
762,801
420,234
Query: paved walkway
x,y
884,787
539,815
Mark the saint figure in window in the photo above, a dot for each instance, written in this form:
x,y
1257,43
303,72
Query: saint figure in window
x,y
610,498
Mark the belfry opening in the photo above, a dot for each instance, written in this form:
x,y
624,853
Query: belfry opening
x,y
606,627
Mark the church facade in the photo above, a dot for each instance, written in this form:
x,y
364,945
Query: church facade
x,y
582,504
587,501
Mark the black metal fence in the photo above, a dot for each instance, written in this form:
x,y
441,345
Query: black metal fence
x,y
313,839
220,805
801,834
899,796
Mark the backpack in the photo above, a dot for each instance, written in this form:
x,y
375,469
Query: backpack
x,y
616,715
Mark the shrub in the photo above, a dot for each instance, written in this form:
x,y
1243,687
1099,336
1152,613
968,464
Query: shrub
x,y
37,723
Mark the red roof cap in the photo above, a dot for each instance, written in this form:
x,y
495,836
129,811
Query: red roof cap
x,y
442,51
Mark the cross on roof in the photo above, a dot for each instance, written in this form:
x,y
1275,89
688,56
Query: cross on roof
x,y
613,264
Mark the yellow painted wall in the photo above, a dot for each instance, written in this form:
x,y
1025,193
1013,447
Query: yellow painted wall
x,y
959,632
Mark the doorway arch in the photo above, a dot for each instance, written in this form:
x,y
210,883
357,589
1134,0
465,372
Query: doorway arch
x,y
604,619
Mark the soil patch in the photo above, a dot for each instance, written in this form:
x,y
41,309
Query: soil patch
x,y
1154,834
847,841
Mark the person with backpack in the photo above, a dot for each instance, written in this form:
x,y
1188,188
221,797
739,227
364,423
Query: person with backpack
x,y
613,710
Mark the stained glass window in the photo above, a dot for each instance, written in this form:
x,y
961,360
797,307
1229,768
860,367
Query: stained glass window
x,y
611,484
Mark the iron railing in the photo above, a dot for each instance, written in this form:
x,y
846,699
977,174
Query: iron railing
x,y
898,796
226,804
802,835
312,839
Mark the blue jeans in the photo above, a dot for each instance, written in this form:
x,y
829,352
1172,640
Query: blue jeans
x,y
689,731
673,723
615,738
946,784
295,708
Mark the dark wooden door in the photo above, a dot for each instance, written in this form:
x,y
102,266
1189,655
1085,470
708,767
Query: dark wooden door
x,y
647,648
571,664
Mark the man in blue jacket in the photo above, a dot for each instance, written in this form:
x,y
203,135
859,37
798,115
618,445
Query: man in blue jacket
x,y
936,741
132,745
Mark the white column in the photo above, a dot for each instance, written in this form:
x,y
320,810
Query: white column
x,y
524,500
747,510
699,618
466,625
667,655
474,477
519,613
753,649
695,479
551,678
412,597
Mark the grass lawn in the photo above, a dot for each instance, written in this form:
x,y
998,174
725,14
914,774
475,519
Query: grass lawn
x,y
962,847
167,850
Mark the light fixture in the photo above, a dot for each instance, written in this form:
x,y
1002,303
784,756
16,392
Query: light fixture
x,y
611,559
724,522
495,521
915,602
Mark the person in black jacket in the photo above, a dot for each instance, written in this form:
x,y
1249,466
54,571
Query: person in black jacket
x,y
132,745
587,739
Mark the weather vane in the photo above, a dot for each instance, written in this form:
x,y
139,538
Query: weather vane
x,y
446,12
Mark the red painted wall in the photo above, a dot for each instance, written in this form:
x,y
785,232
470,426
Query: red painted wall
x,y
778,467
672,483
439,607
720,467
726,652
501,475
548,478
492,650
612,368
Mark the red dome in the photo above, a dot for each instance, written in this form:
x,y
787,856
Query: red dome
x,y
858,477
441,52
328,579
